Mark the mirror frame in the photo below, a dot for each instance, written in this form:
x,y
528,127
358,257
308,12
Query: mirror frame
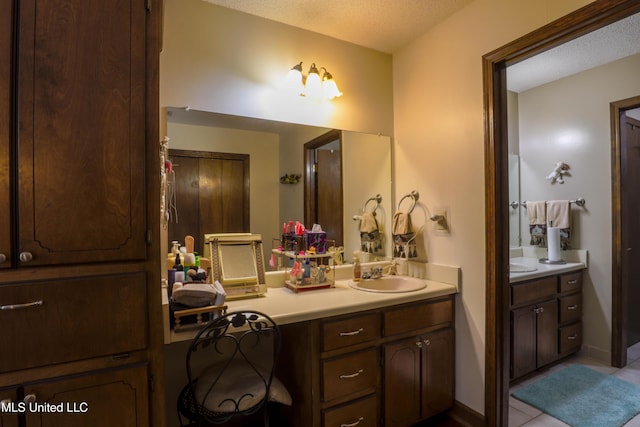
x,y
497,342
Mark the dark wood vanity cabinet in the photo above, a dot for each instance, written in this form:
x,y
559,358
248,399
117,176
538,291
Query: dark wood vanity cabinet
x,y
79,229
391,367
546,321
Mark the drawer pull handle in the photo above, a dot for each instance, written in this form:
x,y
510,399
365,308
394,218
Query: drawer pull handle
x,y
348,376
353,424
20,306
572,337
572,282
572,307
538,310
3,258
30,398
352,333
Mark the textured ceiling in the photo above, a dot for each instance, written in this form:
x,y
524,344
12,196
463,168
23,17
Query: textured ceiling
x,y
616,41
383,25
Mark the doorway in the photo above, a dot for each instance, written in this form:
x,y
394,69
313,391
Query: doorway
x,y
497,341
323,184
625,125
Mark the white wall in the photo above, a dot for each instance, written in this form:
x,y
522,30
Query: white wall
x,y
569,120
439,149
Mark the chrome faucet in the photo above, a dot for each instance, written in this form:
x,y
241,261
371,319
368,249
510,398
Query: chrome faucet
x,y
374,273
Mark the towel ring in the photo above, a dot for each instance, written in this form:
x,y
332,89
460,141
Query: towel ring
x,y
414,197
377,199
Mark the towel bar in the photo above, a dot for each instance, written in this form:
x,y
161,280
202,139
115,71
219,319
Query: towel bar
x,y
579,201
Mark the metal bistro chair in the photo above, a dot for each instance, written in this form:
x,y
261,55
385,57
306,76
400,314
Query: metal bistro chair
x,y
230,365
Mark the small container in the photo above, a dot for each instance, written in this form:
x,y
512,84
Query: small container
x,y
357,269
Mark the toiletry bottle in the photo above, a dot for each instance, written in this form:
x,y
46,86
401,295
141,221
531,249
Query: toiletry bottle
x,y
356,267
178,265
306,273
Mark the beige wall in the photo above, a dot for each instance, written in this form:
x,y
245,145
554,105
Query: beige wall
x,y
220,60
569,120
439,143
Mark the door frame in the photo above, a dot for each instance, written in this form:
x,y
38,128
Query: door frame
x,y
497,341
310,185
618,292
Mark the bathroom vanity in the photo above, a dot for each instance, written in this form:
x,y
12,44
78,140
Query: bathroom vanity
x,y
546,313
352,357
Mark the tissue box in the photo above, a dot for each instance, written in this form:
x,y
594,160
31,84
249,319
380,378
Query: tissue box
x,y
317,239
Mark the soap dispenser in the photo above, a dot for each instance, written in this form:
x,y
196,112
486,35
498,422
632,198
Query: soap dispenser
x,y
357,271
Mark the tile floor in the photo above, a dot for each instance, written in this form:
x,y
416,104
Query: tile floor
x,y
521,414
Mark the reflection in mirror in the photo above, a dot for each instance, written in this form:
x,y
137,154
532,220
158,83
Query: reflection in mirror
x,y
275,149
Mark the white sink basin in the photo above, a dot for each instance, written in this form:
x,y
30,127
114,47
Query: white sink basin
x,y
521,268
389,284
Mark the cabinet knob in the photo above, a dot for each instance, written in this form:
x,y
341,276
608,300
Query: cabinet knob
x,y
3,258
5,403
427,342
31,397
26,256
419,344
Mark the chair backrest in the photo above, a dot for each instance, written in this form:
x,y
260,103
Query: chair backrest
x,y
230,364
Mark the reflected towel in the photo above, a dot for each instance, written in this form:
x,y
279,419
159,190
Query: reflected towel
x,y
401,223
537,213
368,223
559,215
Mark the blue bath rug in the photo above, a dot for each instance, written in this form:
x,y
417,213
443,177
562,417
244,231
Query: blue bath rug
x,y
582,397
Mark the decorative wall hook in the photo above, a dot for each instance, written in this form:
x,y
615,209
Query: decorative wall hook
x,y
559,171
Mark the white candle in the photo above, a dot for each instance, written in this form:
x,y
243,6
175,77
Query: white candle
x,y
553,244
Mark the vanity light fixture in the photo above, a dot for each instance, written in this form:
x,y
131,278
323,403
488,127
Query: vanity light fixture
x,y
313,85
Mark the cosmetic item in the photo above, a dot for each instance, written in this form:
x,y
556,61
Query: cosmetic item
x,y
356,267
178,264
306,273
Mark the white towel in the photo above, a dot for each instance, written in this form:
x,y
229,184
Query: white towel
x,y
558,213
368,223
536,211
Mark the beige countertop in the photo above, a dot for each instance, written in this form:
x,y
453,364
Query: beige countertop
x,y
286,306
574,260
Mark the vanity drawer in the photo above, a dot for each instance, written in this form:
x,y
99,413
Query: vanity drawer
x,y
361,413
533,291
570,338
412,318
346,332
349,374
570,308
570,282
65,320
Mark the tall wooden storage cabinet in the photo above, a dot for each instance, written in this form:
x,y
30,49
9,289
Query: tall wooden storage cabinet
x,y
80,304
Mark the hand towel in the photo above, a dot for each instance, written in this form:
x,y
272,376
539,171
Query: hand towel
x,y
559,215
401,223
368,223
537,213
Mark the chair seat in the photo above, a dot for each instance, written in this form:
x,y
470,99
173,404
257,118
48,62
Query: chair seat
x,y
239,383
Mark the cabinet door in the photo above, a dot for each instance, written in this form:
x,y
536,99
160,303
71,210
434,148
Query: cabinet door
x,y
6,15
105,399
523,341
437,372
9,409
81,136
402,382
547,332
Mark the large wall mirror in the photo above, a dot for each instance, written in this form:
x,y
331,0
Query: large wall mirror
x,y
251,155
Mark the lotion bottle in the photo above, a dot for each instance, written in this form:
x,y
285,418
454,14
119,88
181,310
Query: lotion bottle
x,y
357,271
